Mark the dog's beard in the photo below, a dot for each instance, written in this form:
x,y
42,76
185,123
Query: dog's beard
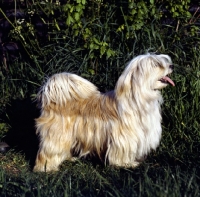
x,y
120,127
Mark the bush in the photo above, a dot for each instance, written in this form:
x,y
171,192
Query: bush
x,y
97,26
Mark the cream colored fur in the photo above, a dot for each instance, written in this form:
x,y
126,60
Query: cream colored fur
x,y
120,127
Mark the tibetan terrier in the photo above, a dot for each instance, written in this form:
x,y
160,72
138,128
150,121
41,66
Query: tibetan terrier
x,y
119,127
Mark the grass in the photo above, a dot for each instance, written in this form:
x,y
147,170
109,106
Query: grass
x,y
84,179
172,171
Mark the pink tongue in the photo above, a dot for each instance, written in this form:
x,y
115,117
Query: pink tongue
x,y
168,80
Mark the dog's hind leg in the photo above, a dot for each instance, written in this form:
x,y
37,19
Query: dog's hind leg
x,y
46,163
50,157
55,142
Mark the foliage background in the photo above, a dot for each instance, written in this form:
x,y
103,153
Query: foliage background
x,y
95,39
89,37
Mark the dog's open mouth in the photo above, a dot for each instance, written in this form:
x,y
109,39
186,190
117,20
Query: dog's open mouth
x,y
167,80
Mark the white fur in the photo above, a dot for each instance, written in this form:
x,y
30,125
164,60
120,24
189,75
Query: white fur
x,y
120,127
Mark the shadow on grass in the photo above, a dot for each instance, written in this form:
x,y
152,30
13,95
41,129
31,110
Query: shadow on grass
x,y
21,137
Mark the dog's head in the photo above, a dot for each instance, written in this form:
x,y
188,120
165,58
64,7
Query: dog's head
x,y
153,70
162,67
145,74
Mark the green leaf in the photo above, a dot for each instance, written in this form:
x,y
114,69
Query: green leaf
x,y
102,50
110,53
93,46
96,41
77,16
79,8
72,9
152,1
91,71
69,20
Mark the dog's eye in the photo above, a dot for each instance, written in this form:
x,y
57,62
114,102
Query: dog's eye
x,y
171,66
157,64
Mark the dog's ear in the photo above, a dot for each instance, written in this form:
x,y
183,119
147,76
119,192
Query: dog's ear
x,y
128,81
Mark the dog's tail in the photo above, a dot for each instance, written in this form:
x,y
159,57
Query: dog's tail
x,y
65,87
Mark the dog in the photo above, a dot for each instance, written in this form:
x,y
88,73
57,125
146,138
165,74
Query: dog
x,y
120,127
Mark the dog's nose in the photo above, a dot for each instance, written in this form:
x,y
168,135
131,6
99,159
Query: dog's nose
x,y
171,66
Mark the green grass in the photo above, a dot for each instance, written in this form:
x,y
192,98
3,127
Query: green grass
x,y
84,179
172,171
